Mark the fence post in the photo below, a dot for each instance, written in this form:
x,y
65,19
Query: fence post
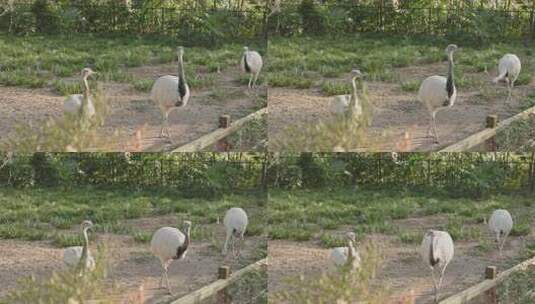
x,y
223,297
491,123
222,145
491,295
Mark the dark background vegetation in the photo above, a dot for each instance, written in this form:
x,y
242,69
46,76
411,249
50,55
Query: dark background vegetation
x,y
188,175
214,174
195,21
479,20
454,174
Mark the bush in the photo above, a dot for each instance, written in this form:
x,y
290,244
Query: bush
x,y
46,17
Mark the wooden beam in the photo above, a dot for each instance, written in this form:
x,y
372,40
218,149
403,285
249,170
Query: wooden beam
x,y
465,296
480,137
210,139
209,290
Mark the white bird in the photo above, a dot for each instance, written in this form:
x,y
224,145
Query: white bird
x,y
438,92
251,62
171,92
346,256
508,70
501,224
235,222
348,104
81,105
169,244
80,256
437,252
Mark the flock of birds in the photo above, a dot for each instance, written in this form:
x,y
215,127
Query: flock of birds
x,y
168,92
435,92
167,244
172,92
436,250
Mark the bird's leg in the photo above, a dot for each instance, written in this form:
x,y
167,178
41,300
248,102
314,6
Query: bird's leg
x,y
250,81
225,247
430,127
161,277
435,128
167,280
255,78
164,124
234,247
440,282
509,90
435,285
501,246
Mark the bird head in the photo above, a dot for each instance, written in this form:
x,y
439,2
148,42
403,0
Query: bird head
x,y
187,225
351,236
356,73
180,51
451,48
88,72
246,49
87,224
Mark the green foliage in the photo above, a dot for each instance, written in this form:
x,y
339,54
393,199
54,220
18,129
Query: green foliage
x,y
197,25
410,85
479,24
477,175
64,287
143,85
342,286
336,88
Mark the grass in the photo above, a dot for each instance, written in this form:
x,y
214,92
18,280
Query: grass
x,y
65,286
44,214
343,286
143,85
518,136
70,134
337,135
410,85
303,215
331,88
36,60
299,62
248,137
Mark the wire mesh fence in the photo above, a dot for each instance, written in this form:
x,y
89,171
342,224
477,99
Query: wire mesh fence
x,y
194,173
191,25
479,22
475,173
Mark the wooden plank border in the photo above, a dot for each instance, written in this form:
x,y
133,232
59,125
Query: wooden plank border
x,y
213,288
211,138
482,136
478,289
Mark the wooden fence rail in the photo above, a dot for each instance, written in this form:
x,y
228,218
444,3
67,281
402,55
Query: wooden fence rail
x,y
224,280
487,287
225,130
488,134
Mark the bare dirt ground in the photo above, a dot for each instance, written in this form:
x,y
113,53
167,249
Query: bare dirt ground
x,y
402,271
400,121
131,263
132,115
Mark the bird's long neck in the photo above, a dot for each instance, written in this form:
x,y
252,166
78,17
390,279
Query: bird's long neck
x,y
187,238
245,63
432,260
350,251
87,92
181,77
180,251
354,96
450,83
85,249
